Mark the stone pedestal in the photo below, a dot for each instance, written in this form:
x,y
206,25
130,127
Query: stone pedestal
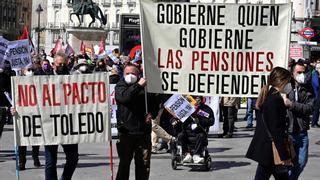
x,y
89,36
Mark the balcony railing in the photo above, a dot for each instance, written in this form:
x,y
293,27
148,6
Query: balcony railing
x,y
106,3
56,3
117,2
131,2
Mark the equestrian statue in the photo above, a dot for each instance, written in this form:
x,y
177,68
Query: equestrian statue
x,y
83,7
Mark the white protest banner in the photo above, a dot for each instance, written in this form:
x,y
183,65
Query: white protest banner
x,y
213,49
68,109
18,54
179,107
3,48
114,107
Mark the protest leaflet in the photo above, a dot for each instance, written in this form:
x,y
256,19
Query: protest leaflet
x,y
179,107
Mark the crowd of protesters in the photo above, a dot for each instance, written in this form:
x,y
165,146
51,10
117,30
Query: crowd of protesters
x,y
297,110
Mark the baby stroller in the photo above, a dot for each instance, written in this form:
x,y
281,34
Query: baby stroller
x,y
177,155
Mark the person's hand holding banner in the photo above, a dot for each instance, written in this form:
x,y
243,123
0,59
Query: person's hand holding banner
x,y
142,82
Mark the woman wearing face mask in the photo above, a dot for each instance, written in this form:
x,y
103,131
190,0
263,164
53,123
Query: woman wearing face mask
x,y
45,69
271,116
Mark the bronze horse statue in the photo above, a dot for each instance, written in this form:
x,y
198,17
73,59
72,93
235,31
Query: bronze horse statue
x,y
83,7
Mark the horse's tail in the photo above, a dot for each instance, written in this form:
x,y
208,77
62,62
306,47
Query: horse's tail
x,y
104,20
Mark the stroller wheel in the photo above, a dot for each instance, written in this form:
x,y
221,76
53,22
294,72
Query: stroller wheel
x,y
174,164
208,164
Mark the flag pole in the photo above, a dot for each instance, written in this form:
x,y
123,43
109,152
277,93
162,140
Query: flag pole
x,y
111,159
12,102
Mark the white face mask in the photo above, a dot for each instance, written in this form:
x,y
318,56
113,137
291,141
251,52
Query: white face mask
x,y
130,78
300,78
318,67
83,68
287,88
29,73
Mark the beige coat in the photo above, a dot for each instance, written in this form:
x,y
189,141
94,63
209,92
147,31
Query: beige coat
x,y
231,101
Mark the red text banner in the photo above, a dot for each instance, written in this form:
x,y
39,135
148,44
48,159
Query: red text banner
x,y
61,109
213,49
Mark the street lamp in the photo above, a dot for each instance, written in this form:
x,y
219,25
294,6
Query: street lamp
x,y
21,24
39,10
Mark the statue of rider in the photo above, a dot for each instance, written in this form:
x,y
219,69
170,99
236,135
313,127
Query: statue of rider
x,y
86,4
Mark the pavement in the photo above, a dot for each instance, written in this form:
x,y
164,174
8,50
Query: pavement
x,y
228,161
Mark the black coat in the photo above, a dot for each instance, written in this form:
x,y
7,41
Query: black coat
x,y
274,113
299,113
5,86
131,110
205,121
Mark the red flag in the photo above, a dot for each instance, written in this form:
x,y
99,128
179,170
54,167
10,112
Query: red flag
x,y
82,48
69,50
92,51
25,33
102,45
57,47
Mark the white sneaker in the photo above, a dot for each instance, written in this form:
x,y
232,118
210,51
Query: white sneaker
x,y
198,159
187,159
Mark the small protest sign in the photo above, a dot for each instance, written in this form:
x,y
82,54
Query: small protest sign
x,y
18,54
179,107
3,48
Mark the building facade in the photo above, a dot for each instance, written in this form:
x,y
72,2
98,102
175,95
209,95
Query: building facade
x,y
14,14
55,19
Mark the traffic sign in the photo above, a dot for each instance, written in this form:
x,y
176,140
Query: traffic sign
x,y
307,33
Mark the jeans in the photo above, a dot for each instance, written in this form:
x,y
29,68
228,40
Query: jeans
x,y
315,117
264,173
249,114
301,146
137,147
229,117
71,152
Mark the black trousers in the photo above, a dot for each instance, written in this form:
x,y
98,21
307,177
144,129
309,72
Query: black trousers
x,y
2,119
137,147
200,139
229,118
264,173
23,153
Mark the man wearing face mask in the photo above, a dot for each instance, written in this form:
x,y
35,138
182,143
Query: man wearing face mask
x,y
70,150
300,103
134,124
101,67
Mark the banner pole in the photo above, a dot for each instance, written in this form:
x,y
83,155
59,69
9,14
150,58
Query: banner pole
x,y
111,160
12,102
143,55
17,162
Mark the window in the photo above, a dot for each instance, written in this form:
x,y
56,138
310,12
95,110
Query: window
x,y
55,36
106,15
117,16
